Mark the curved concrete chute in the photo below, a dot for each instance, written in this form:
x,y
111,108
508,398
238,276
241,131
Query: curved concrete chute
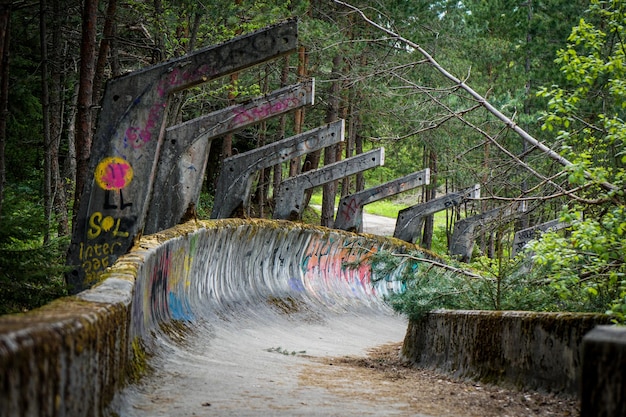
x,y
230,314
216,303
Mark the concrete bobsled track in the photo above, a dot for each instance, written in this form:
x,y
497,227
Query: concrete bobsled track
x,y
243,318
219,317
231,315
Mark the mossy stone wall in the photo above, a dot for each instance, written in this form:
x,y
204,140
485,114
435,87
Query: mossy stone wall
x,y
524,350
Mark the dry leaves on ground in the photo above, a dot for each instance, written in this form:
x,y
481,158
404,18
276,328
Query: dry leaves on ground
x,y
383,375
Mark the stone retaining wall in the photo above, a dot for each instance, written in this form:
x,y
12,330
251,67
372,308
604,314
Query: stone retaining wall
x,y
524,350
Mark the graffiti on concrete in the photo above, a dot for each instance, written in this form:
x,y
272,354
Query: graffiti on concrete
x,y
129,139
256,114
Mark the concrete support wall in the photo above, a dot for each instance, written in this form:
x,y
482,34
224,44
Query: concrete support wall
x,y
69,358
538,351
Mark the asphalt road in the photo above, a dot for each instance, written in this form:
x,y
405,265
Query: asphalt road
x,y
378,225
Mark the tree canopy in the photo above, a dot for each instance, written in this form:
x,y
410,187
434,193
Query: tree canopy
x,y
525,99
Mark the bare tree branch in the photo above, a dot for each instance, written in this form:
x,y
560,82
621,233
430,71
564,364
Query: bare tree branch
x,y
480,99
440,265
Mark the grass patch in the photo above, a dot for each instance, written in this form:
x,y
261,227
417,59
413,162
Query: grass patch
x,y
385,208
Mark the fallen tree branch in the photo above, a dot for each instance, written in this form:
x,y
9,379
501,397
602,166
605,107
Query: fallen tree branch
x,y
480,99
440,265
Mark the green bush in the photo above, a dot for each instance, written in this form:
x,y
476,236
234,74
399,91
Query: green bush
x,y
486,284
31,272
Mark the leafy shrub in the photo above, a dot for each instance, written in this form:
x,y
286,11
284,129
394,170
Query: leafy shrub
x,y
488,284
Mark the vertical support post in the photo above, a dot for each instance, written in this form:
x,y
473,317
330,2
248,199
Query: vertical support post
x,y
186,149
462,241
234,183
411,219
290,196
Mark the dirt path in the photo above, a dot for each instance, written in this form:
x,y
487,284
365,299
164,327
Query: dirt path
x,y
382,376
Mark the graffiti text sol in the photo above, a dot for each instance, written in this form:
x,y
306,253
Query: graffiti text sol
x,y
99,224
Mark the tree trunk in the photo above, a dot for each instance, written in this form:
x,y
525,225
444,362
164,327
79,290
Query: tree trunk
x,y
431,194
346,184
330,153
360,178
57,114
298,121
49,153
69,168
105,45
84,122
5,31
278,168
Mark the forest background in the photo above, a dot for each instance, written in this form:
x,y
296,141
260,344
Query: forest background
x,y
421,78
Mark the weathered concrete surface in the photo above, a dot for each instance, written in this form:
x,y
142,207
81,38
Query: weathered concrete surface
x,y
206,306
463,236
239,293
290,193
187,145
411,219
225,318
236,175
538,351
350,212
129,138
522,237
67,358
603,388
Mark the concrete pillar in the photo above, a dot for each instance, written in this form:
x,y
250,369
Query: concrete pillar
x,y
603,387
186,150
462,241
522,237
129,139
411,219
235,181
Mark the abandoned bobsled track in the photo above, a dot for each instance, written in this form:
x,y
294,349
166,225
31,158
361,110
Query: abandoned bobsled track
x,y
238,318
250,306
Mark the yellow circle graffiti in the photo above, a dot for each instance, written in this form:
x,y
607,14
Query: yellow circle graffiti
x,y
113,173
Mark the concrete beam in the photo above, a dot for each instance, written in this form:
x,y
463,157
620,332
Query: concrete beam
x,y
350,213
128,142
186,149
290,195
235,180
462,241
411,219
524,236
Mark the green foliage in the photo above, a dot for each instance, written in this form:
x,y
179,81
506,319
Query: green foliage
x,y
588,112
31,276
31,273
205,205
587,266
486,284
